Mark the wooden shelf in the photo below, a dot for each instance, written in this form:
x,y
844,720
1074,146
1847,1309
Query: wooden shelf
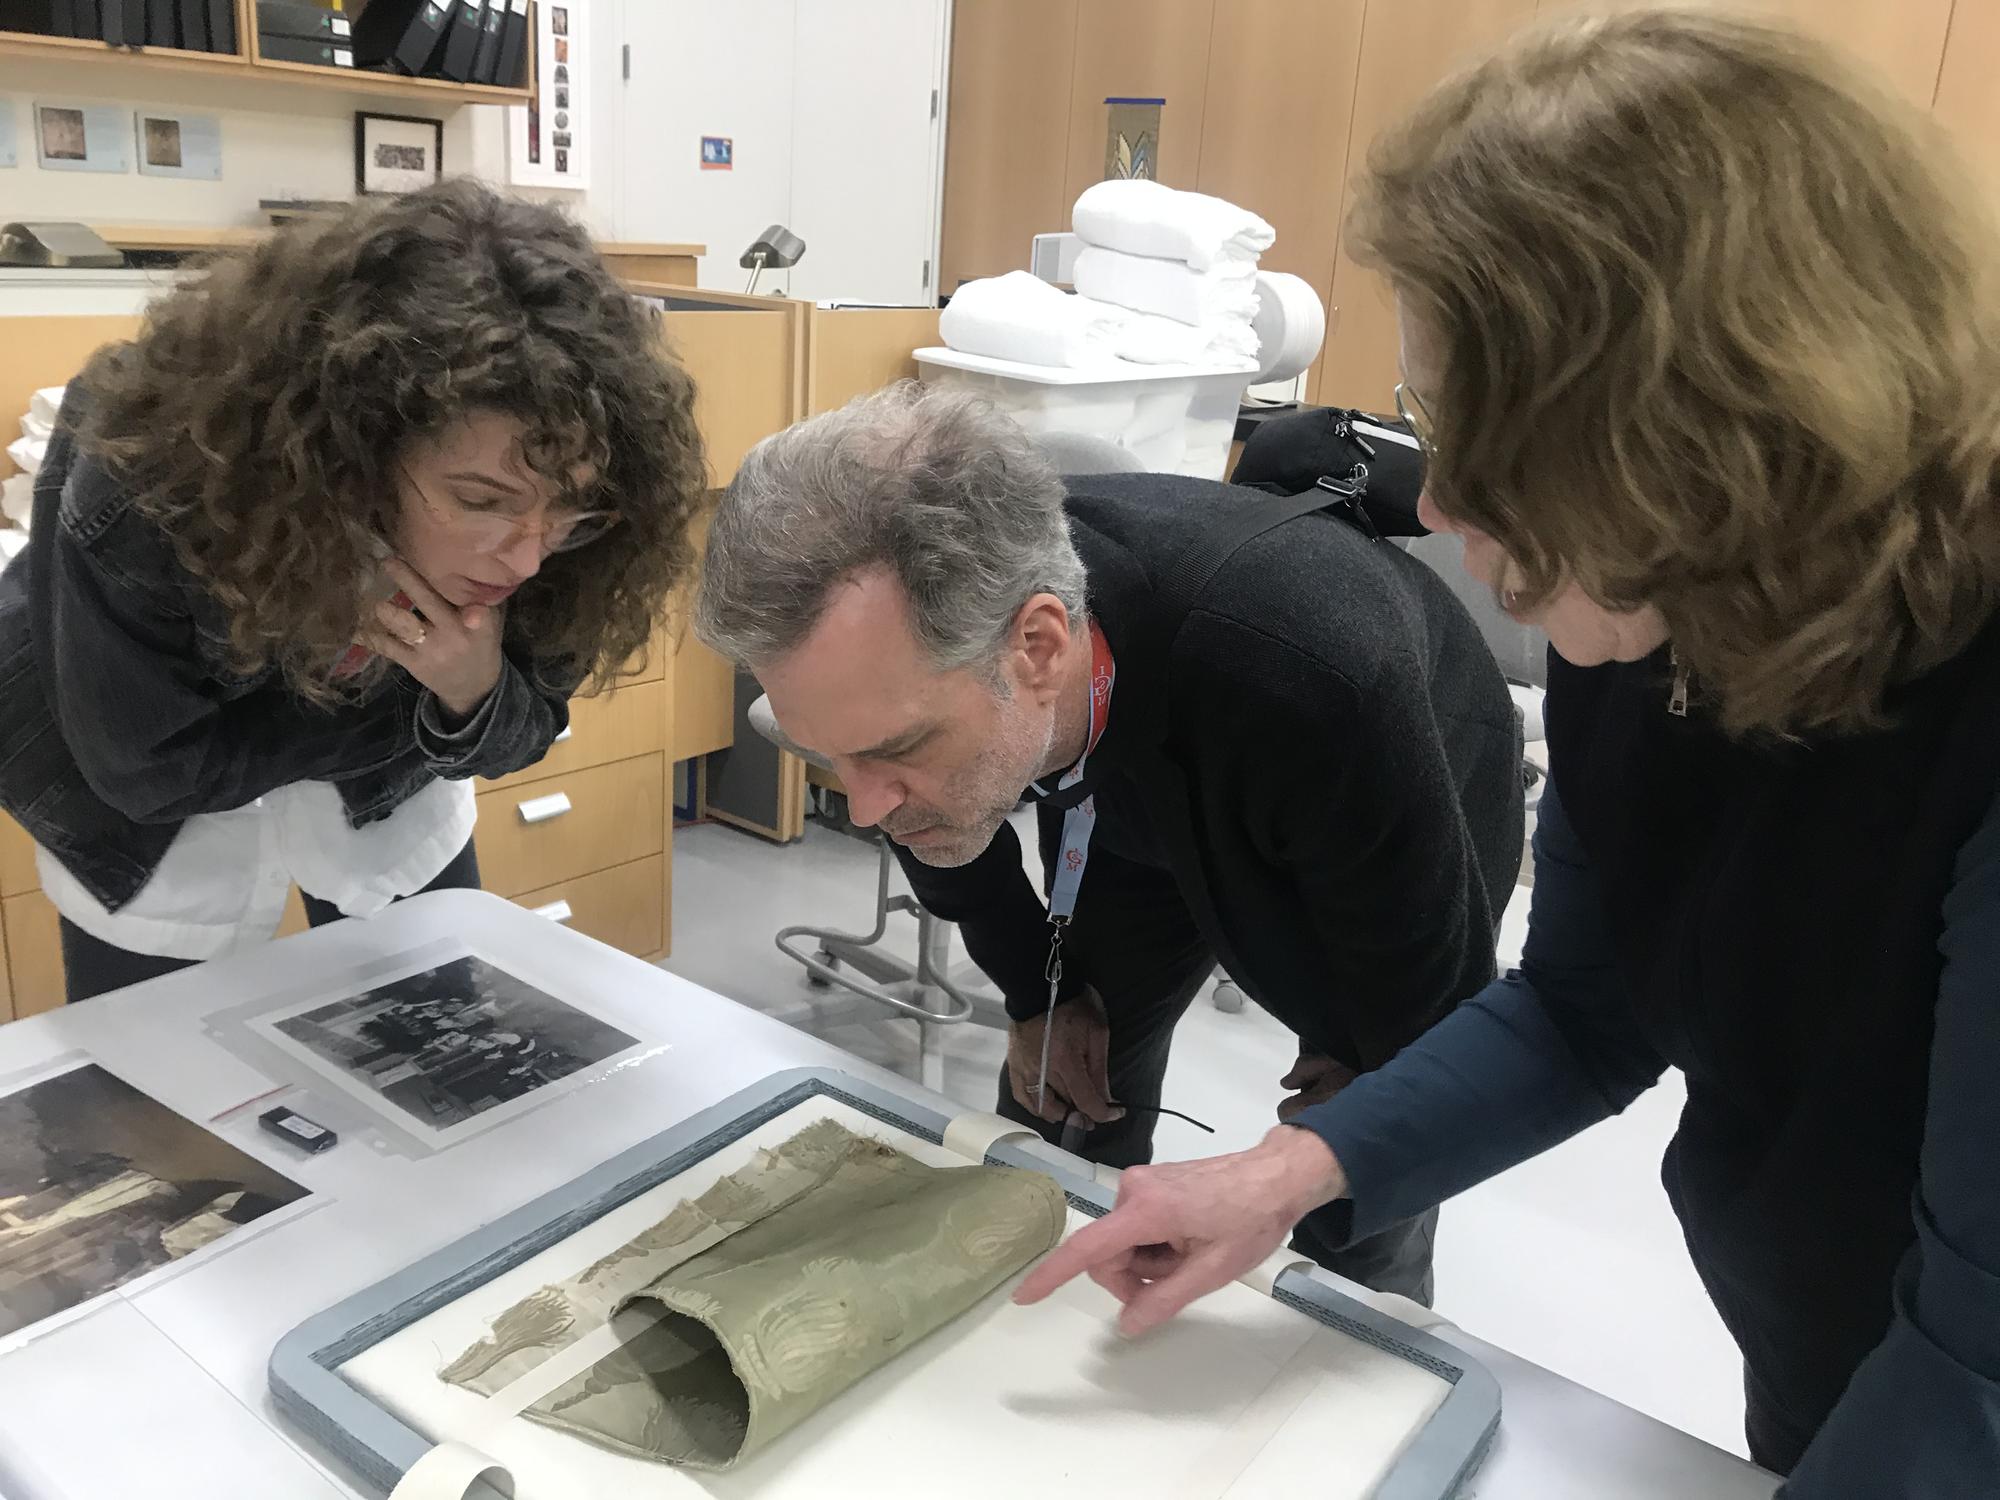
x,y
366,81
29,46
442,93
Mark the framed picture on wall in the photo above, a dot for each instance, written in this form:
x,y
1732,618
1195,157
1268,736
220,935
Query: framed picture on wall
x,y
548,138
396,153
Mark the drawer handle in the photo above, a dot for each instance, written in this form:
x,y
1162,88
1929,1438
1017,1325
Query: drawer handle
x,y
555,911
567,731
541,809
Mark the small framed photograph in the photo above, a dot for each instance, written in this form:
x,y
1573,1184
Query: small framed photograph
x,y
718,153
559,19
83,138
562,49
397,153
562,96
172,145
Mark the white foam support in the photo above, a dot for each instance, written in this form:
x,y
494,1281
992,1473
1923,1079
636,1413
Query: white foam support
x,y
974,1133
1263,1277
448,1472
1290,323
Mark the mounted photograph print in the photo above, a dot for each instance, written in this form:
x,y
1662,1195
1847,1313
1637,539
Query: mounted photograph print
x,y
396,153
101,1184
448,1051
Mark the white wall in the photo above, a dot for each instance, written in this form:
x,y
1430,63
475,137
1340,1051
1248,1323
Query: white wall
x,y
699,68
277,142
703,68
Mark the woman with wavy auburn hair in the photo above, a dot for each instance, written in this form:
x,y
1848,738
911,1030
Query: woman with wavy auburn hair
x,y
344,526
1702,339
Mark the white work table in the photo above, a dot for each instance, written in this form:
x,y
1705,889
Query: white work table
x,y
163,1392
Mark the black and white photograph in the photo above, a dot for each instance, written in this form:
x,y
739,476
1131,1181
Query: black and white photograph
x,y
447,1047
161,141
562,96
100,1184
81,137
559,20
179,145
62,135
562,159
397,153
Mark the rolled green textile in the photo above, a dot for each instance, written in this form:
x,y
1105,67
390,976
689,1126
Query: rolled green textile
x,y
755,1304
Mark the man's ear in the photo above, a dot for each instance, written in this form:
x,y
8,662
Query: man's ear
x,y
1043,632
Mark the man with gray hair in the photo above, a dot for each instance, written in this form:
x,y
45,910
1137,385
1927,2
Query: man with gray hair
x,y
1280,746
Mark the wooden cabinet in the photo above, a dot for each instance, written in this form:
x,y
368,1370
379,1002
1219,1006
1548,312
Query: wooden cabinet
x,y
1274,105
1403,55
1967,104
34,953
544,832
1138,49
1006,142
624,906
1280,107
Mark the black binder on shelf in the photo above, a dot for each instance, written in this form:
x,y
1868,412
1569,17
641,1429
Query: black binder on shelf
x,y
486,62
301,18
402,34
77,18
462,42
36,17
194,24
512,71
162,29
135,22
111,22
221,26
305,49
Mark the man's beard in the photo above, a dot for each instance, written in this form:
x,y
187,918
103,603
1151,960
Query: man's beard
x,y
993,783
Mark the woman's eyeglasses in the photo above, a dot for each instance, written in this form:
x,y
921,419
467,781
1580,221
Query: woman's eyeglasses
x,y
492,531
1410,407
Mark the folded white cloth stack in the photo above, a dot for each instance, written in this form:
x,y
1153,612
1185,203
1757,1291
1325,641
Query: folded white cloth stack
x,y
43,408
1151,219
1169,288
1022,318
1149,339
28,453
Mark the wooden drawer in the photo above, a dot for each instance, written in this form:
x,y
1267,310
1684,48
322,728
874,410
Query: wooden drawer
x,y
625,907
17,859
34,953
613,815
614,726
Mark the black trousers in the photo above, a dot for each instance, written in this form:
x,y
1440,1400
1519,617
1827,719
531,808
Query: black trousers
x,y
92,967
1135,938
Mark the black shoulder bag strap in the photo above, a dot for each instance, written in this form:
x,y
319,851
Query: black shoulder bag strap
x,y
1184,579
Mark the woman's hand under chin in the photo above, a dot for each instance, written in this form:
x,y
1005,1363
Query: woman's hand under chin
x,y
452,651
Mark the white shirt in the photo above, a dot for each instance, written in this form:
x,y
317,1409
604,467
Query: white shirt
x,y
223,883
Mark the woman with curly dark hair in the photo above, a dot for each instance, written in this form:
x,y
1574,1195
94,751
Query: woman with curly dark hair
x,y
342,528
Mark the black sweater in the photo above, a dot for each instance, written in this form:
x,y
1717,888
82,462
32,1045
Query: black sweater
x,y
1322,752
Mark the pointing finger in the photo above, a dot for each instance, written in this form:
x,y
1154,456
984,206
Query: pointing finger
x,y
1102,1243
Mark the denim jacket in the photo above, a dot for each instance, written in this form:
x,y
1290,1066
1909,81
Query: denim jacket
x,y
120,717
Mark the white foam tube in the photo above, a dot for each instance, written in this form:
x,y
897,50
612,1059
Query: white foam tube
x,y
1290,325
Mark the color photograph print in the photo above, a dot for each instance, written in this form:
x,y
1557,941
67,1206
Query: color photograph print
x,y
101,1184
446,1052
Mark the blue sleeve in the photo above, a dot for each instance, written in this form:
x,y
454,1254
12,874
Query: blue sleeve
x,y
1922,1414
1528,1062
